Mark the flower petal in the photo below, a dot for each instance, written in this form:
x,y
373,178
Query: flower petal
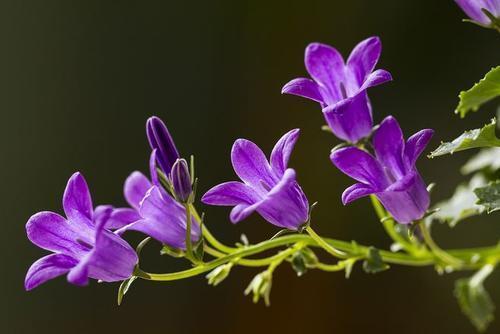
x,y
282,151
115,218
416,144
251,165
326,66
47,268
76,199
230,193
285,205
164,220
303,87
361,166
152,168
364,57
242,211
159,138
135,188
388,143
351,118
376,78
112,258
409,202
355,192
50,231
473,9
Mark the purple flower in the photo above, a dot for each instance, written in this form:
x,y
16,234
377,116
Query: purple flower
x,y
340,88
81,246
160,216
268,188
391,175
160,139
474,10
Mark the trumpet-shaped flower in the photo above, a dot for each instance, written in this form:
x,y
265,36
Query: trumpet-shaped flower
x,y
340,88
268,187
82,247
391,175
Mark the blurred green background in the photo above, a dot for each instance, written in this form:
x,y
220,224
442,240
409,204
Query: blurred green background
x,y
79,78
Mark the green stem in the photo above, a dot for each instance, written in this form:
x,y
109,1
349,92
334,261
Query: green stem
x,y
325,245
389,226
442,255
189,246
244,262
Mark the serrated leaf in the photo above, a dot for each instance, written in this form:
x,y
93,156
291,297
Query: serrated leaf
x,y
485,90
474,300
462,204
124,287
489,196
487,159
374,263
484,137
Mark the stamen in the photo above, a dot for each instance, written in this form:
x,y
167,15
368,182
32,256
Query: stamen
x,y
343,91
265,185
83,244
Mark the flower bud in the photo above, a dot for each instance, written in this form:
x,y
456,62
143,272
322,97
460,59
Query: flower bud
x,y
219,274
260,286
181,180
160,139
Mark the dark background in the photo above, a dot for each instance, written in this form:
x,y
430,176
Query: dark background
x,y
79,78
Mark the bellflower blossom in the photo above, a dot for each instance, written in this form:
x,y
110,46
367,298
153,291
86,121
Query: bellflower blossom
x,y
82,247
474,10
269,188
391,175
160,139
160,216
340,88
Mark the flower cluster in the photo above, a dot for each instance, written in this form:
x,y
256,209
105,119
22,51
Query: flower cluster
x,y
88,243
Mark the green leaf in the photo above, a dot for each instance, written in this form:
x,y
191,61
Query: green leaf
x,y
123,289
374,263
474,300
487,159
484,137
489,196
486,89
462,204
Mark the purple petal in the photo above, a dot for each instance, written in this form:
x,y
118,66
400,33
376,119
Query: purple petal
x,y
361,166
282,151
376,78
388,143
416,144
242,211
326,66
152,168
251,165
111,260
135,188
77,202
230,193
473,9
79,275
351,118
355,192
303,87
115,218
47,268
163,219
52,232
406,205
285,205
364,57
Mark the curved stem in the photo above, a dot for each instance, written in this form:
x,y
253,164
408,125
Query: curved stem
x,y
325,245
438,252
209,236
189,246
244,262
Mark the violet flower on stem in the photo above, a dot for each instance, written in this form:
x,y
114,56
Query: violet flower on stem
x,y
483,12
391,175
82,246
268,187
340,87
